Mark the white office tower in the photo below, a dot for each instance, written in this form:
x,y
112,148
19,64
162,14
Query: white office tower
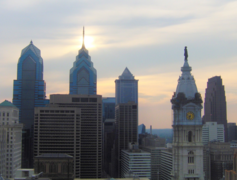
x,y
10,139
136,161
187,127
211,131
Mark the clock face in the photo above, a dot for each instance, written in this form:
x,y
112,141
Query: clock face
x,y
190,115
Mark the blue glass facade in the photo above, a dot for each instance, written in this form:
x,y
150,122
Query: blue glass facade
x,y
29,92
126,88
83,76
108,107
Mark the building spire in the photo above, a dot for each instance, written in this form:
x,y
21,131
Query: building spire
x,y
185,53
83,40
31,42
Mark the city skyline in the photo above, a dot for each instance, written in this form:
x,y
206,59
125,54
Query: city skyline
x,y
147,38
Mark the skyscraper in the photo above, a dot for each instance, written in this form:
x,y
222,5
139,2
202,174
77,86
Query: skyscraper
x,y
215,103
83,76
29,92
126,88
187,127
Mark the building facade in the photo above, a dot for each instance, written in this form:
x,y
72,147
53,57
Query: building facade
x,y
108,108
126,88
83,76
187,127
29,92
72,124
215,103
232,174
211,131
232,131
167,162
137,161
10,139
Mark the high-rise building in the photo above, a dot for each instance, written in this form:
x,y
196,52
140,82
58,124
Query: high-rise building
x,y
10,139
126,116
215,103
232,131
187,127
29,92
211,131
141,129
137,161
108,108
83,76
126,88
166,164
72,124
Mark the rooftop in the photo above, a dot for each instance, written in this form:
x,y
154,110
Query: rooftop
x,y
7,103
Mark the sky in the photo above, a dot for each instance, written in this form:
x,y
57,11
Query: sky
x,y
148,37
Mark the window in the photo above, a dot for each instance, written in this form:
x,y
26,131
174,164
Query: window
x,y
190,157
191,171
190,134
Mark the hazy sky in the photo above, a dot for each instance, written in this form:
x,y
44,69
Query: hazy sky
x,y
148,37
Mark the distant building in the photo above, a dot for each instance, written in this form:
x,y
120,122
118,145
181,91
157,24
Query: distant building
x,y
233,144
56,166
10,139
126,88
211,131
29,91
141,129
187,127
72,124
232,174
126,130
218,157
108,108
136,161
232,131
215,103
148,140
83,76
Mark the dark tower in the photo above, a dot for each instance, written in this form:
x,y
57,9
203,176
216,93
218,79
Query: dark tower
x,y
215,103
28,93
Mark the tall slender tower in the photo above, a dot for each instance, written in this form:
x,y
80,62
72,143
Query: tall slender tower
x,y
28,93
83,76
187,126
126,88
215,103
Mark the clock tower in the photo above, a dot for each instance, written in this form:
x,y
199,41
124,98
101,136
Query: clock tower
x,y
187,127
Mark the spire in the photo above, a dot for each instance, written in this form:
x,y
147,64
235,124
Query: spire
x,y
83,40
31,42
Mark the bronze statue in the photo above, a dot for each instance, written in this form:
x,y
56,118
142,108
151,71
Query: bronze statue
x,y
185,53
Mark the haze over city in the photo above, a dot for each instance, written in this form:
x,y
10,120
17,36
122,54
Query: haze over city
x,y
148,37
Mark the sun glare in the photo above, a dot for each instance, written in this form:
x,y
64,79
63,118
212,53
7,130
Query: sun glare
x,y
88,42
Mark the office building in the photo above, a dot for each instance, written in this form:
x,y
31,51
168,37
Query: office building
x,y
126,116
187,127
136,161
219,158
232,174
126,88
232,131
54,165
83,76
166,162
29,92
141,129
108,108
108,142
10,139
215,103
211,131
72,124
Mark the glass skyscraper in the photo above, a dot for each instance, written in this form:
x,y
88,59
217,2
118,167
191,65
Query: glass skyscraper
x,y
28,93
83,76
126,88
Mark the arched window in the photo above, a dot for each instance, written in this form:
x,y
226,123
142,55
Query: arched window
x,y
190,134
190,157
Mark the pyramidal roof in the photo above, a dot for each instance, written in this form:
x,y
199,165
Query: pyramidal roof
x,y
32,47
7,103
126,74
